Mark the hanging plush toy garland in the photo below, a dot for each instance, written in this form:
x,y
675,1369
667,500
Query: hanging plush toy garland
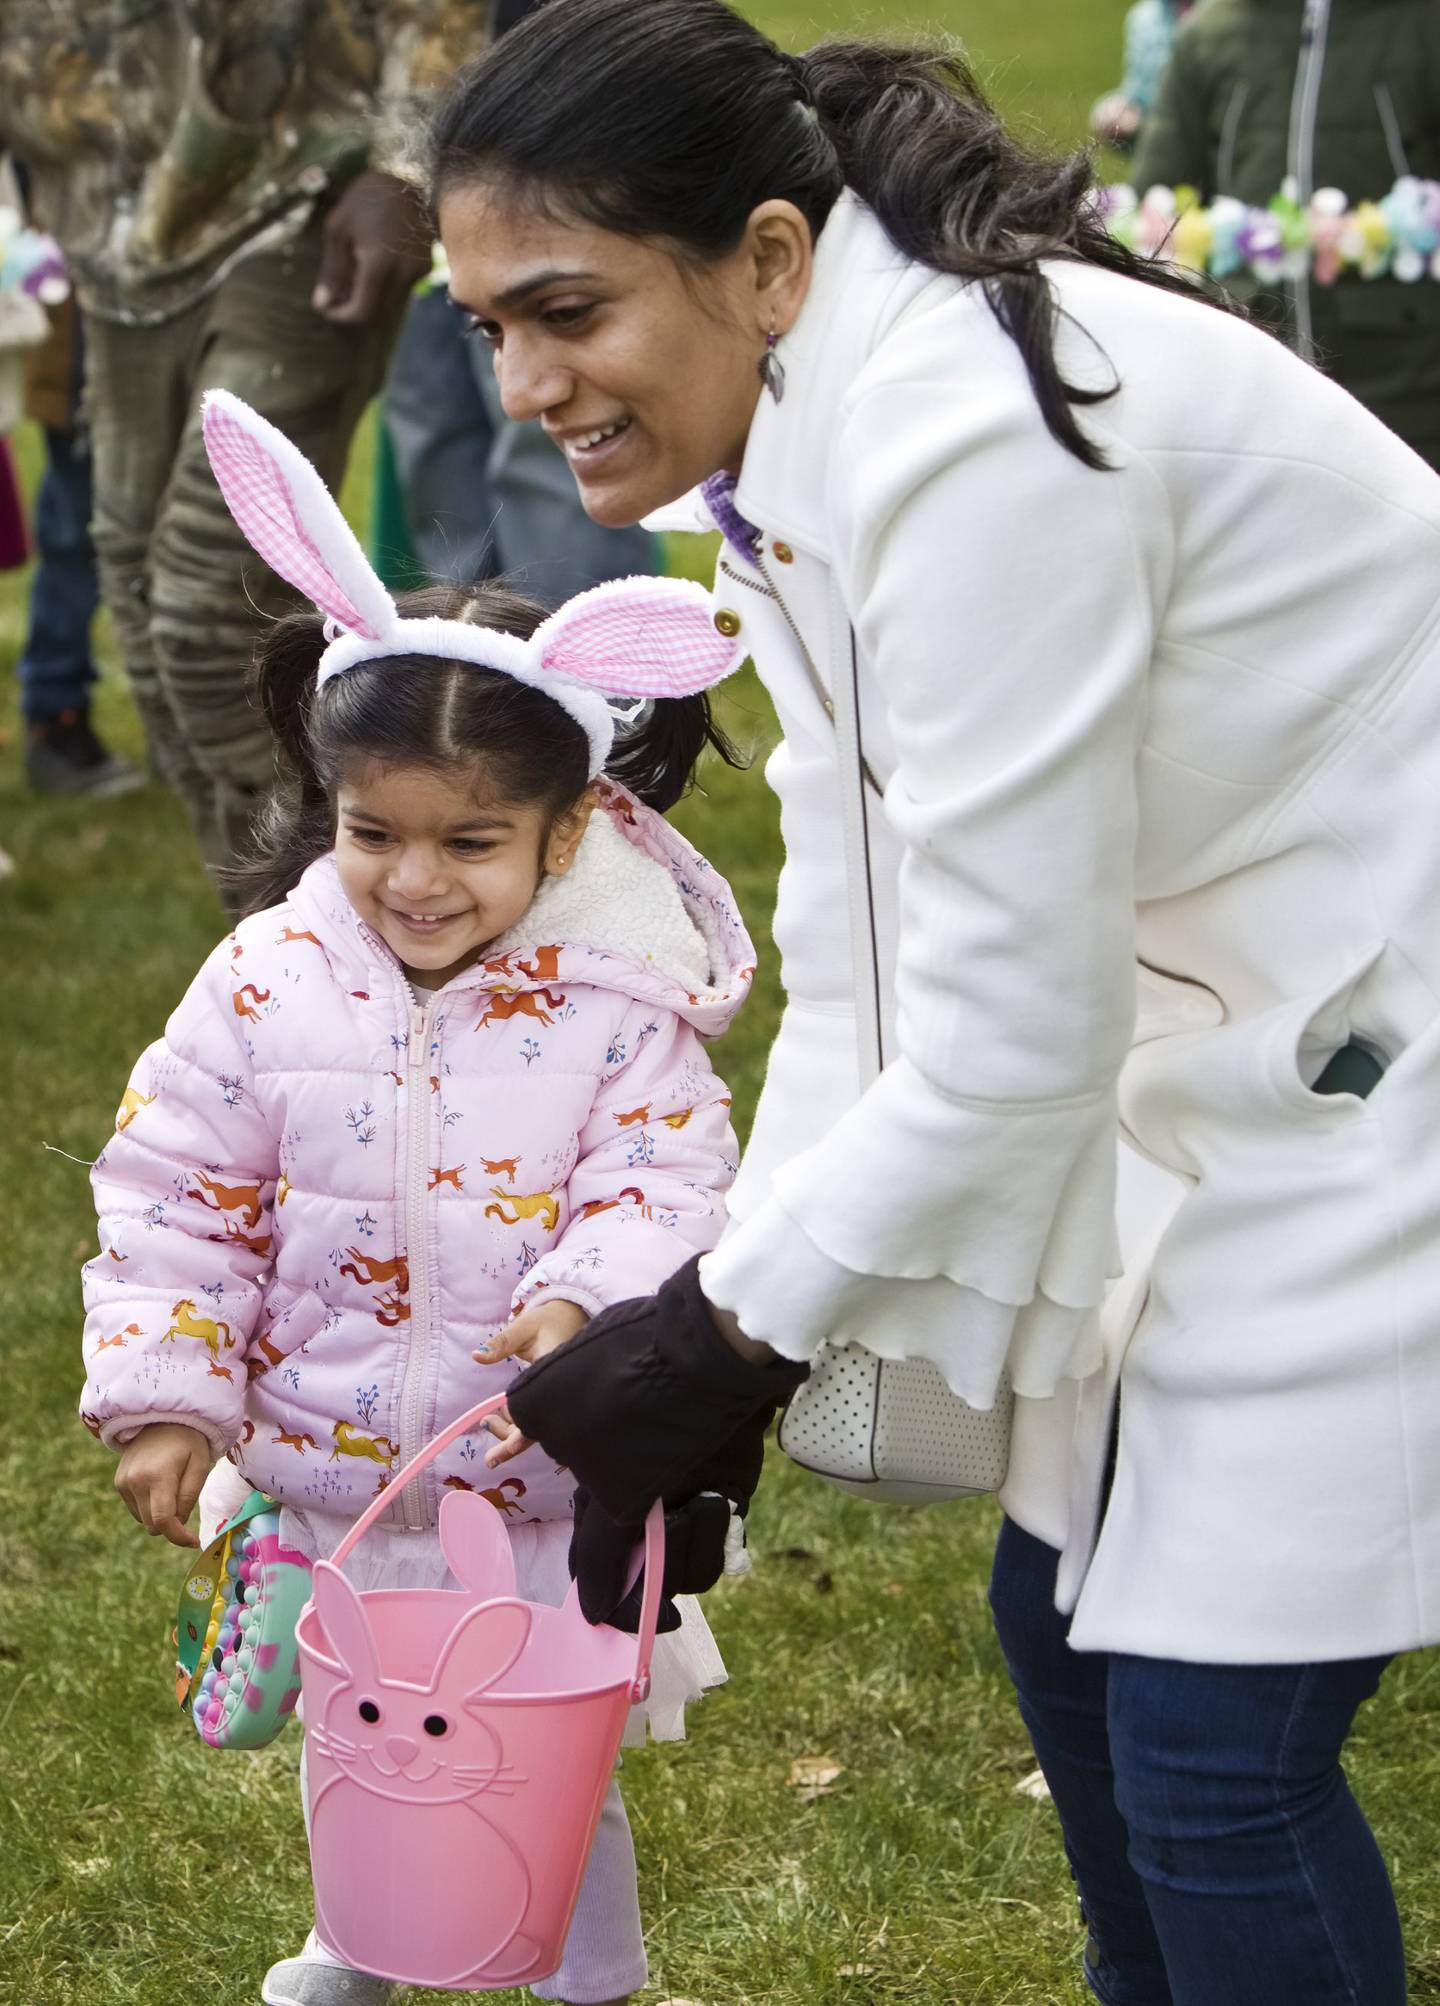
x,y
1321,240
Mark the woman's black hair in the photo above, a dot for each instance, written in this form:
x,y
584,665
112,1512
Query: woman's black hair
x,y
420,710
676,118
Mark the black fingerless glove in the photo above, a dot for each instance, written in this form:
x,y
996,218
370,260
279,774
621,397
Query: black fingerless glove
x,y
602,1554
650,1401
648,1393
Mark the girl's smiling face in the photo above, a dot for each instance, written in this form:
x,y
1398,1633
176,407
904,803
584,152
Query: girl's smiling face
x,y
438,867
641,368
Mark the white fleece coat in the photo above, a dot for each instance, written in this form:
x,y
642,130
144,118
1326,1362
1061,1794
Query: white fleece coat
x,y
1166,736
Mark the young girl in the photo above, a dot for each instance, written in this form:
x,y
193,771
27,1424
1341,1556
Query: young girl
x,y
446,1082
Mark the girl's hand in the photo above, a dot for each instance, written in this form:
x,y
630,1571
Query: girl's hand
x,y
159,1476
537,1331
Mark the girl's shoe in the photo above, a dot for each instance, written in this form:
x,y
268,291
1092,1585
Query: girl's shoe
x,y
315,1979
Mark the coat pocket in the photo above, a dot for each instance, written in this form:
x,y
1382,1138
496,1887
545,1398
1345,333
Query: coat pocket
x,y
280,1335
1306,1035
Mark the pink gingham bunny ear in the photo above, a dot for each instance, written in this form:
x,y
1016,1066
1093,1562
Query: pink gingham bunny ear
x,y
291,518
639,637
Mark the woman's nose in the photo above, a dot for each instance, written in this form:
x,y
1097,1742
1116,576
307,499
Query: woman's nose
x,y
530,385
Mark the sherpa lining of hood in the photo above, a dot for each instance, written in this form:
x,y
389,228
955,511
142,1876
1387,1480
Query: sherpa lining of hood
x,y
620,901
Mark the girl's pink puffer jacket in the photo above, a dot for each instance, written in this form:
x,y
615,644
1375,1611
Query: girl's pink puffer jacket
x,y
324,1190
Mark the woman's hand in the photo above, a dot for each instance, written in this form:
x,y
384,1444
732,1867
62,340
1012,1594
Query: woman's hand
x,y
537,1331
159,1477
656,1399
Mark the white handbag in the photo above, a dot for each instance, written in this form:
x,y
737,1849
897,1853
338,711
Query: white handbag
x,y
881,1428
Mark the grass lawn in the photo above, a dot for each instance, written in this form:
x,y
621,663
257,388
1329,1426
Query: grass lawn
x,y
137,1868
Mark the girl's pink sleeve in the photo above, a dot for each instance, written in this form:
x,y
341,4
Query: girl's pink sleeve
x,y
657,1156
183,1190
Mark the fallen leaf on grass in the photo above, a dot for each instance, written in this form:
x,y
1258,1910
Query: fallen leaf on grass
x,y
1034,1785
894,1588
856,1971
813,1776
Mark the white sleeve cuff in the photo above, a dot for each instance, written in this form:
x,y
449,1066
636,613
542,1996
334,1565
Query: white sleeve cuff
x,y
789,1294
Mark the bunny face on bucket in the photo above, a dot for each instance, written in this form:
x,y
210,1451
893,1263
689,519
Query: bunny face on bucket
x,y
416,1744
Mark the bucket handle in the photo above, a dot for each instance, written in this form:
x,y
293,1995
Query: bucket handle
x,y
653,1558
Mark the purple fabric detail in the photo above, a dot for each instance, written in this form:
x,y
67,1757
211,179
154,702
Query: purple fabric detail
x,y
742,536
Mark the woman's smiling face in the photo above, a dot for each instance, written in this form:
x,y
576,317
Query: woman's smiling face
x,y
641,368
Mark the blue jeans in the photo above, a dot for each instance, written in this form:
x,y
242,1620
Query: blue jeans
x,y
486,497
57,668
1220,1857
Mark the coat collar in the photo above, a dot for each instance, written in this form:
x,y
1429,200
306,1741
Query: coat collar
x,y
642,912
860,285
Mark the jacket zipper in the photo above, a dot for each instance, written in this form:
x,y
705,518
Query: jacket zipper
x,y
1229,137
826,702
1300,151
417,1239
1394,138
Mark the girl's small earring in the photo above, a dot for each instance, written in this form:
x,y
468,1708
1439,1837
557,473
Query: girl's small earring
x,y
772,369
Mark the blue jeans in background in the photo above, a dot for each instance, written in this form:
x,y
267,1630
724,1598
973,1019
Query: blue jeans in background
x,y
1220,1857
56,668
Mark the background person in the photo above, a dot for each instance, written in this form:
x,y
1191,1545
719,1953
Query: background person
x,y
1328,94
63,753
1149,32
482,496
221,180
968,453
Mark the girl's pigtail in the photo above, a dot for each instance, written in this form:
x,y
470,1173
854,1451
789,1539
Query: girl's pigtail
x,y
295,825
656,760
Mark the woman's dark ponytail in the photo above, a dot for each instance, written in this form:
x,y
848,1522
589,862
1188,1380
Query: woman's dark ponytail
x,y
676,118
918,141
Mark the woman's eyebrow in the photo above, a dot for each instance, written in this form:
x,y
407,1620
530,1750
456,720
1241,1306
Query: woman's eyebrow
x,y
522,290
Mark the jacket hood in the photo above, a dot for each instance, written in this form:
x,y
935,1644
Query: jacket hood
x,y
640,912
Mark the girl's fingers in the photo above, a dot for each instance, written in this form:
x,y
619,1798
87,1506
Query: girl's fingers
x,y
515,1443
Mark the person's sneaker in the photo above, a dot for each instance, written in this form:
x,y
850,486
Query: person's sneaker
x,y
313,1979
63,756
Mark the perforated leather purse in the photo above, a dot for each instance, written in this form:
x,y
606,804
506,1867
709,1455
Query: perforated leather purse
x,y
881,1428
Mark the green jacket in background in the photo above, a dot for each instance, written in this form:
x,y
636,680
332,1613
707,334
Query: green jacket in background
x,y
1333,93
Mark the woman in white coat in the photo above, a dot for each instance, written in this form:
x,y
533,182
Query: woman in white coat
x,y
1143,621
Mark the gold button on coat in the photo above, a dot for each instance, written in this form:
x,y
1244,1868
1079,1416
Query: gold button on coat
x,y
728,623
784,554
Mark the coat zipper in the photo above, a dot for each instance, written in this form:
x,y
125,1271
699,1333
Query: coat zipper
x,y
1300,151
417,1241
1394,138
1229,137
816,683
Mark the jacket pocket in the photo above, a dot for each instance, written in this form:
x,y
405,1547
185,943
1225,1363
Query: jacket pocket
x,y
280,1335
1169,1005
1306,1035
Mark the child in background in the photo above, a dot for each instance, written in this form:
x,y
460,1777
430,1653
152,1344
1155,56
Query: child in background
x,y
441,1097
1149,30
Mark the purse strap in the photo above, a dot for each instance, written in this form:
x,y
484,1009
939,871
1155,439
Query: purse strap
x,y
855,810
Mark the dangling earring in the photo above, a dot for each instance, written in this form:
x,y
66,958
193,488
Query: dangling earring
x,y
772,369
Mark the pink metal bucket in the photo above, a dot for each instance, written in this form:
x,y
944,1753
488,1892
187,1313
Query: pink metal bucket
x,y
458,1746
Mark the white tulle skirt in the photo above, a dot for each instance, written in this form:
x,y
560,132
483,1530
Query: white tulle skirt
x,y
687,1661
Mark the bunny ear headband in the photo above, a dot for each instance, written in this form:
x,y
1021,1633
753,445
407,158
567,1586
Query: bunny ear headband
x,y
600,657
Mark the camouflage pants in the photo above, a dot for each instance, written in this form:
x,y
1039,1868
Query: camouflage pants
x,y
186,594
